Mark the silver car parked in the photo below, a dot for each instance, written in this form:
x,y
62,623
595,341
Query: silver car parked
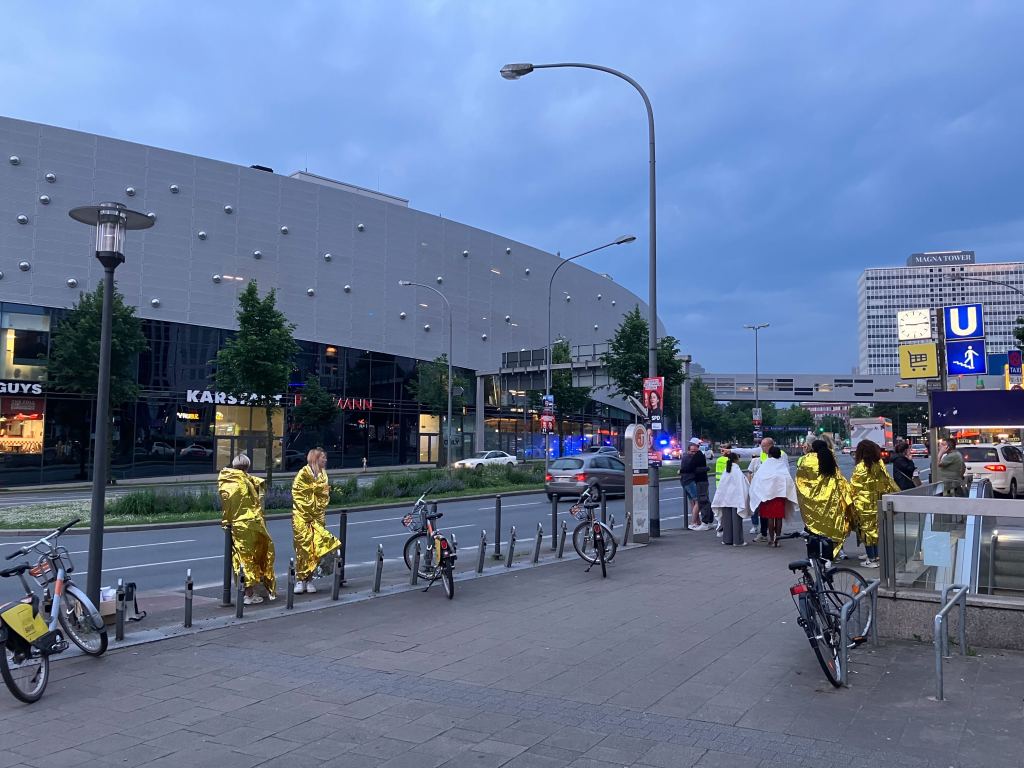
x,y
571,475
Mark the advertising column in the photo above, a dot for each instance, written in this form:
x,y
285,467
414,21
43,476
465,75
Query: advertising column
x,y
637,463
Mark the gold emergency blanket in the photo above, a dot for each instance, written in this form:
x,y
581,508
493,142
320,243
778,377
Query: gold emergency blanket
x,y
311,538
241,501
825,502
868,485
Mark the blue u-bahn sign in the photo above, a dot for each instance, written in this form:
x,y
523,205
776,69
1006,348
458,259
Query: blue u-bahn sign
x,y
964,321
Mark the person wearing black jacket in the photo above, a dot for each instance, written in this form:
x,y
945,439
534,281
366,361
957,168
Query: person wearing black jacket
x,y
904,471
693,469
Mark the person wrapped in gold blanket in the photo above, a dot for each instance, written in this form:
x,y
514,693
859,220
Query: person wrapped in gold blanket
x,y
241,501
824,494
310,493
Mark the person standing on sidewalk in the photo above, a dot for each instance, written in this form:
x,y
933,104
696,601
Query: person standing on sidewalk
x,y
732,502
311,492
693,468
773,494
759,527
241,503
904,470
951,468
720,464
869,482
824,494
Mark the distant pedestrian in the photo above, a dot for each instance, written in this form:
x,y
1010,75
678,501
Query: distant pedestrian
x,y
825,495
869,482
951,468
773,494
693,467
241,501
311,492
364,463
732,502
904,470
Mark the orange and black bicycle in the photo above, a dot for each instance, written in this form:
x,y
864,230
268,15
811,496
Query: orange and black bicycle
x,y
437,552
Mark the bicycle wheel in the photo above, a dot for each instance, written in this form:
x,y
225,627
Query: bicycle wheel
x,y
599,546
847,581
822,630
409,551
448,579
583,543
75,617
25,673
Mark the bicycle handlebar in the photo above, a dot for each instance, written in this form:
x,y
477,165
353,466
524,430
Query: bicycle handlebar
x,y
15,554
64,527
57,532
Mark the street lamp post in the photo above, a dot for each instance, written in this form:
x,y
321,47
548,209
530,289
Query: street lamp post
x,y
757,372
516,71
111,220
954,278
548,348
448,428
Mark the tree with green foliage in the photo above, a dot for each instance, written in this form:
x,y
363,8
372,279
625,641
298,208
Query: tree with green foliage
x,y
626,361
568,399
902,414
317,410
860,412
257,363
705,413
1018,333
834,424
430,389
74,360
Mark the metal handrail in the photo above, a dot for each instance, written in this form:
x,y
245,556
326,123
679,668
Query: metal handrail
x,y
940,638
844,632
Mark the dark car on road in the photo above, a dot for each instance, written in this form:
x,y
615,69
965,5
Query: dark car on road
x,y
571,475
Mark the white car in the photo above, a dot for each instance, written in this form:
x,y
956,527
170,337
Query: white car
x,y
196,451
480,458
161,449
1002,465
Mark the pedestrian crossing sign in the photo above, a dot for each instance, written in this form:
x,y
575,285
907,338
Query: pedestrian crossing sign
x,y
966,357
919,361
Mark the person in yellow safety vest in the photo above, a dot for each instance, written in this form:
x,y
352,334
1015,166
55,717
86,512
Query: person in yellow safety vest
x,y
720,464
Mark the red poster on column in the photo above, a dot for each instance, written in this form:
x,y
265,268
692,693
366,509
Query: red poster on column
x,y
654,399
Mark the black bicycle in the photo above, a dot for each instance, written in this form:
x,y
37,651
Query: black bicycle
x,y
819,595
592,539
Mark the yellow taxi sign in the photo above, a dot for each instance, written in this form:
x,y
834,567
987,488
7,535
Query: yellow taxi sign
x,y
919,361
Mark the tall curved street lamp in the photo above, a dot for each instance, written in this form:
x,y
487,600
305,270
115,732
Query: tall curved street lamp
x,y
448,427
954,278
111,220
550,342
757,372
516,71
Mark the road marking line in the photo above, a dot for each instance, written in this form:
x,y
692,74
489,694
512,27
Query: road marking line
x,y
406,533
137,546
166,562
382,520
506,506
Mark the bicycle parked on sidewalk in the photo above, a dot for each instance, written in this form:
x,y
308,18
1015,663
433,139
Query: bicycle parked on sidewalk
x,y
819,595
28,640
592,539
437,553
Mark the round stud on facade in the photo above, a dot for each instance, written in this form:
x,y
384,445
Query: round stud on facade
x,y
595,326
347,289
174,189
14,160
151,215
527,270
24,266
310,292
483,337
361,227
1,275
440,279
228,209
508,318
613,302
44,199
568,297
599,297
284,230
130,191
328,257
22,218
202,234
426,327
51,177
465,254
72,282
508,251
216,278
402,315
154,302
257,254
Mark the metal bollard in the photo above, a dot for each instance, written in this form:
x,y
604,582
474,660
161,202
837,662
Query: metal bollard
x,y
561,540
554,520
290,603
343,535
611,525
629,524
511,548
188,598
414,576
536,545
336,576
482,553
604,506
240,593
497,527
225,597
119,615
379,570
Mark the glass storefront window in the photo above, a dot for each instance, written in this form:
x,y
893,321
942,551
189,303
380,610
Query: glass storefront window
x,y
430,431
25,338
21,425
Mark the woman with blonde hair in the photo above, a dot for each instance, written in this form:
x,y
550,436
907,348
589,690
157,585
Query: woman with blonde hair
x,y
241,502
310,493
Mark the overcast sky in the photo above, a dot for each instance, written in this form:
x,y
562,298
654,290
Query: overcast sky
x,y
798,142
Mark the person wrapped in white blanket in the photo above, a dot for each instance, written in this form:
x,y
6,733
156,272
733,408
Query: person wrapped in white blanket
x,y
773,494
731,502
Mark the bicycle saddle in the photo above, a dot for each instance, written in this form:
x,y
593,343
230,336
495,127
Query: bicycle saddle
x,y
435,516
799,565
15,570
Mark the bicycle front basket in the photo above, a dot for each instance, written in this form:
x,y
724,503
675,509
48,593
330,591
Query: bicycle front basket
x,y
579,511
415,522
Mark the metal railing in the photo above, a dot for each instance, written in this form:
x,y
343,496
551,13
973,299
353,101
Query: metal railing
x,y
941,637
871,591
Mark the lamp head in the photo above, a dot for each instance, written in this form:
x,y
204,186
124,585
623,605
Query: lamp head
x,y
405,282
111,220
625,239
515,71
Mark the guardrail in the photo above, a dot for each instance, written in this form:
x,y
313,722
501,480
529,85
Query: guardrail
x,y
844,632
940,636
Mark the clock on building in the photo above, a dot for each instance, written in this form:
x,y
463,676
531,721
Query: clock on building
x,y
914,324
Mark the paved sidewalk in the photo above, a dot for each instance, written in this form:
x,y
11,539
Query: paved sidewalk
x,y
688,654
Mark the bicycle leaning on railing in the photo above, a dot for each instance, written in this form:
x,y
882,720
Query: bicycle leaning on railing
x,y
592,539
437,553
28,640
819,595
